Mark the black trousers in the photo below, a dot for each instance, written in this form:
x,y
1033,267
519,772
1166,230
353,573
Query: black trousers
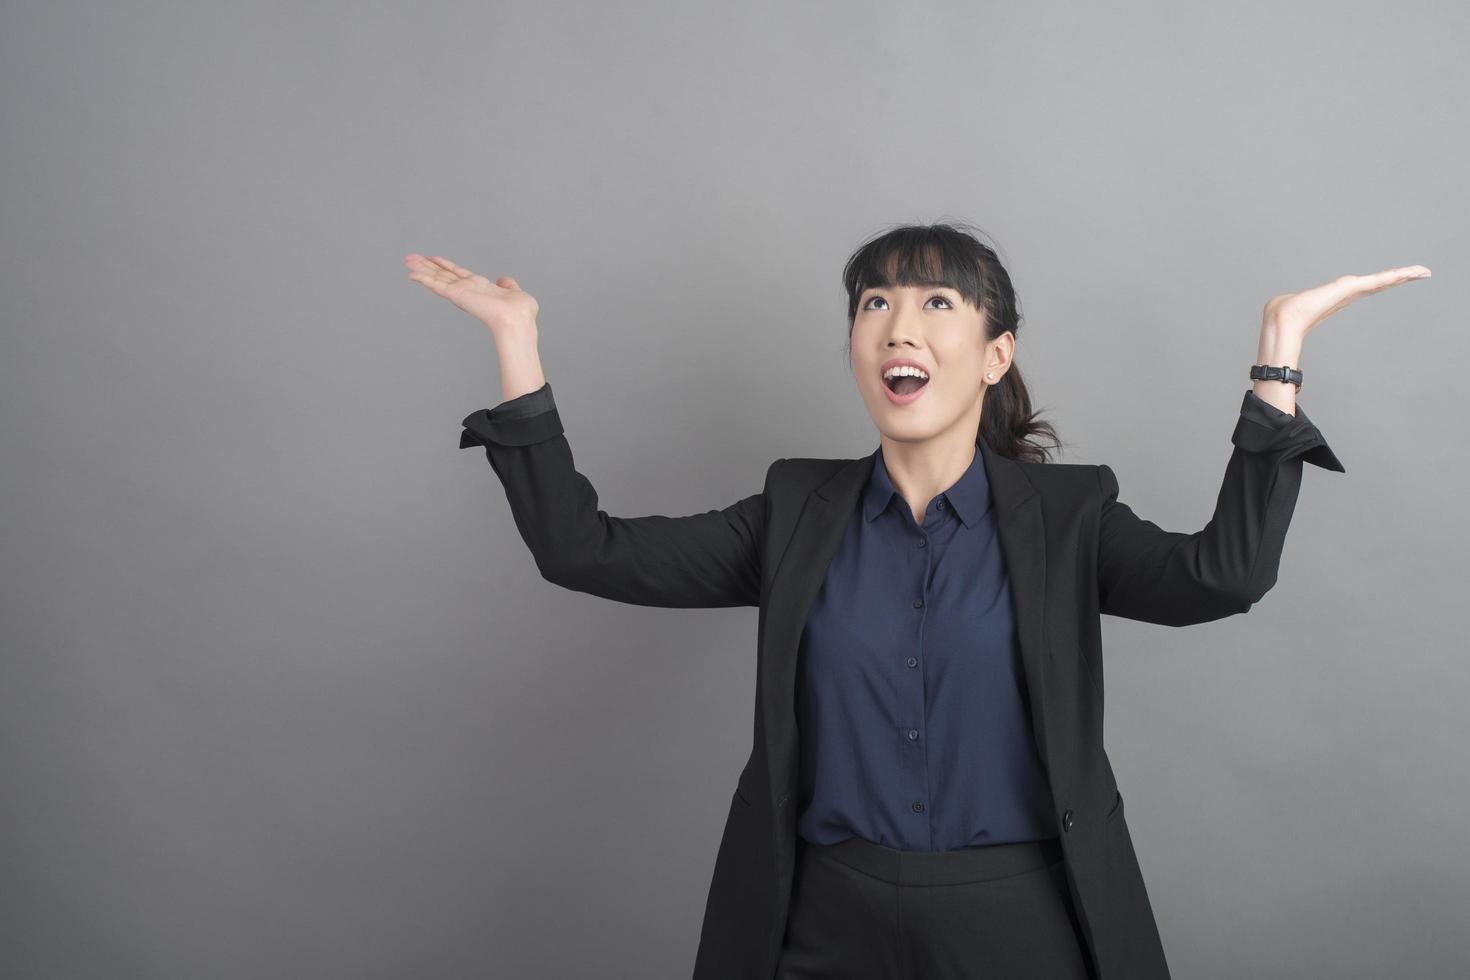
x,y
863,911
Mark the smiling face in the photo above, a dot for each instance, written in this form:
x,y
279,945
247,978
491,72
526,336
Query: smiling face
x,y
935,330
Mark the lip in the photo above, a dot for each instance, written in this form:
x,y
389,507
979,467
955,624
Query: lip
x,y
903,399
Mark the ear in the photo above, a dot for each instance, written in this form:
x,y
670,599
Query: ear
x,y
998,355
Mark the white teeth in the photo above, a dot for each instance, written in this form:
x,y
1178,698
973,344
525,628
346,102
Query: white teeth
x,y
903,370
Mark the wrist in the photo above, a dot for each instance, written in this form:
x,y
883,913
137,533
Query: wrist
x,y
514,331
520,360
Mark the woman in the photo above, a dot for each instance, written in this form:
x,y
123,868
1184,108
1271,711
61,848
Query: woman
x,y
929,627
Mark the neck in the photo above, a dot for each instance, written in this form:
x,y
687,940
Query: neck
x,y
920,471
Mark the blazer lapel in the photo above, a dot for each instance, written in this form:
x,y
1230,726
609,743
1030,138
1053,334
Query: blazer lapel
x,y
794,587
1023,544
803,567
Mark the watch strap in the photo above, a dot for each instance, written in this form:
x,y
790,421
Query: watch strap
x,y
1266,372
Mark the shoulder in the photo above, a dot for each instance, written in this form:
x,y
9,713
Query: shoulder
x,y
1064,486
803,474
809,469
1054,475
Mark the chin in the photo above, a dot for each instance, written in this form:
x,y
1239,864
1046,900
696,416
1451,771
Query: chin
x,y
908,430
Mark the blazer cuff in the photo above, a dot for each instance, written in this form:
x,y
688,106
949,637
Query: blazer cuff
x,y
1264,428
522,420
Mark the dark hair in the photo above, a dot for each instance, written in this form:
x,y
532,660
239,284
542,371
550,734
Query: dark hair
x,y
947,255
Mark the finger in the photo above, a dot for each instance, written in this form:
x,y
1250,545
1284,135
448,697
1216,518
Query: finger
x,y
442,275
432,265
1344,289
422,266
433,277
430,283
443,271
1389,278
455,267
429,274
456,270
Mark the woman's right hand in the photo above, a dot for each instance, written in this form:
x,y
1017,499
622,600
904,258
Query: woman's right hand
x,y
499,304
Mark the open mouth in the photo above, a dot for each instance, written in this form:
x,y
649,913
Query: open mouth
x,y
905,384
904,388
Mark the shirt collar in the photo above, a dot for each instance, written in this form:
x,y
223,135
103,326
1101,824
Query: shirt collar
x,y
970,495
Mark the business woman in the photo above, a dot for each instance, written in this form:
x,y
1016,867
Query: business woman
x,y
927,794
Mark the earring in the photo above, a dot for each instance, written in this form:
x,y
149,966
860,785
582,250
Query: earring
x,y
990,375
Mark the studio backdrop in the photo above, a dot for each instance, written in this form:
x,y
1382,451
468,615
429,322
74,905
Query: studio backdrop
x,y
282,690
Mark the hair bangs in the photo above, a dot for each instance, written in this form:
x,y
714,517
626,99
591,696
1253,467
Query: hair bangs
x,y
915,255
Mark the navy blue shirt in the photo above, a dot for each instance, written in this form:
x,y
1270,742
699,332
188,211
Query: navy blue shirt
x,y
915,731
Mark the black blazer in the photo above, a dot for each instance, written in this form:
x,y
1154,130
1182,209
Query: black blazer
x,y
1073,552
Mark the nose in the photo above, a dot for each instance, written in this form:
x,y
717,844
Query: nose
x,y
900,332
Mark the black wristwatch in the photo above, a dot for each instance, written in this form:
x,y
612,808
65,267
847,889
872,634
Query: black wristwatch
x,y
1260,372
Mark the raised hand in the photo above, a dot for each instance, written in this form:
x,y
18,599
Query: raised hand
x,y
1300,313
497,304
1288,319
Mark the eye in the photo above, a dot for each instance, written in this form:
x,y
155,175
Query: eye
x,y
879,299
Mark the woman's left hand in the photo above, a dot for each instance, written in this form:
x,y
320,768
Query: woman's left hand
x,y
1299,313
1288,319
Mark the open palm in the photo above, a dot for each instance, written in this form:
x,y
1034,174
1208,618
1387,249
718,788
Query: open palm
x,y
1301,312
493,303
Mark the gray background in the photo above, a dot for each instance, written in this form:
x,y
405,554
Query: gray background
x,y
283,694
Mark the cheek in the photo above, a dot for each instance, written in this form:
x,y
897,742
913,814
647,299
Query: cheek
x,y
964,367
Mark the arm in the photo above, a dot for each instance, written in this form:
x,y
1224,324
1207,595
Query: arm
x,y
703,560
708,559
1158,576
1176,579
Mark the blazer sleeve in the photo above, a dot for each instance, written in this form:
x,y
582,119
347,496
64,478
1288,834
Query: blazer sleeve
x,y
1176,579
703,560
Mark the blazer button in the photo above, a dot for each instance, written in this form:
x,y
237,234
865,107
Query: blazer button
x,y
781,803
1067,820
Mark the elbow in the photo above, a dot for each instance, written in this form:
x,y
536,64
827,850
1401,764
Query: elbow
x,y
561,575
1255,587
1221,596
563,561
1220,602
587,577
1240,600
554,570
1243,603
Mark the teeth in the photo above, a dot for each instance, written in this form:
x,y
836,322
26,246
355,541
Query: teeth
x,y
905,370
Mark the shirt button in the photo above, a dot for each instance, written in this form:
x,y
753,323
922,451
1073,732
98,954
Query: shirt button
x,y
941,505
918,603
918,807
912,661
913,734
